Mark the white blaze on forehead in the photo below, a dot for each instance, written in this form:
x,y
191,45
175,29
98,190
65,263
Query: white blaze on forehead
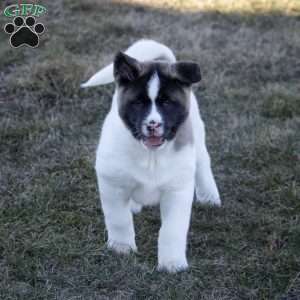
x,y
153,86
153,89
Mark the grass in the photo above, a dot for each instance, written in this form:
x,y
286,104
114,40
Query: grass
x,y
52,235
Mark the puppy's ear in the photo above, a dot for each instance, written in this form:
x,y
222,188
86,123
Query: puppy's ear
x,y
126,68
186,72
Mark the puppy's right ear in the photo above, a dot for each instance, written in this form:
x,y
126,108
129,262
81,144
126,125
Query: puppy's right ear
x,y
126,68
186,72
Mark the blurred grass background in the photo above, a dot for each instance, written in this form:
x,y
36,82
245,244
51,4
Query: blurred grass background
x,y
52,236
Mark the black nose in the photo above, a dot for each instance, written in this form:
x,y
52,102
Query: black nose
x,y
152,125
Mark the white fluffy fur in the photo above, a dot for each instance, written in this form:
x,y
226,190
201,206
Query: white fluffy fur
x,y
130,175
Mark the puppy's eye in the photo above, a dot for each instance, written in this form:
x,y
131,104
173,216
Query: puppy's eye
x,y
165,101
138,102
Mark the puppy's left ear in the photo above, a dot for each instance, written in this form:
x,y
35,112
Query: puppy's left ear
x,y
126,68
186,72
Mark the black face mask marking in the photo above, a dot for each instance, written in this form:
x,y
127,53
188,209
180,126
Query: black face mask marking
x,y
173,98
173,104
134,105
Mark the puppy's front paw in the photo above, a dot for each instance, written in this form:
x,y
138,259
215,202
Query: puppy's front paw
x,y
208,195
121,248
173,265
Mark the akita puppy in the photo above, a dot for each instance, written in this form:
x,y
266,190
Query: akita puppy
x,y
152,149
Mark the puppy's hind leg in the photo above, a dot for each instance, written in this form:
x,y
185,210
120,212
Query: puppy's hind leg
x,y
135,207
206,188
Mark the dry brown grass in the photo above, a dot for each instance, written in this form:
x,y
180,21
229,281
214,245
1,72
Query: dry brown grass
x,y
287,7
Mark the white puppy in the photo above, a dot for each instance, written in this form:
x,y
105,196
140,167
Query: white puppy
x,y
152,149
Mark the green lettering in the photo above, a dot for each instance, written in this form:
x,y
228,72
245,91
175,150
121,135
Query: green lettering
x,y
12,11
26,9
39,10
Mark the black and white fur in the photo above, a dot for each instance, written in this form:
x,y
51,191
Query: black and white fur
x,y
152,149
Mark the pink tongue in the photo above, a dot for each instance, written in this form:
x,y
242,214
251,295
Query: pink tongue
x,y
153,141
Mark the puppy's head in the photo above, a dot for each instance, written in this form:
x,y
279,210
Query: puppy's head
x,y
154,97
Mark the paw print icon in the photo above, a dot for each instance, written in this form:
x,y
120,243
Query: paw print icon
x,y
24,32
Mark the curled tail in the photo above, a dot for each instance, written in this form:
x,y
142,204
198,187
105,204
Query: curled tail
x,y
143,50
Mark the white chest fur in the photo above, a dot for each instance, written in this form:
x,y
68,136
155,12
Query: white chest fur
x,y
143,171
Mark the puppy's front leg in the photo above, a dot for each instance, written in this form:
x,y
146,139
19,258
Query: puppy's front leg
x,y
117,215
175,209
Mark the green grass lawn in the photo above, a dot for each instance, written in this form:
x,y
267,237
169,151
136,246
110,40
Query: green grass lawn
x,y
52,234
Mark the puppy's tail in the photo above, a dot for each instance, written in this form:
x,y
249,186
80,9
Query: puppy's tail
x,y
143,50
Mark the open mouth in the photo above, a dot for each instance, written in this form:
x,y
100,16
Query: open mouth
x,y
153,141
